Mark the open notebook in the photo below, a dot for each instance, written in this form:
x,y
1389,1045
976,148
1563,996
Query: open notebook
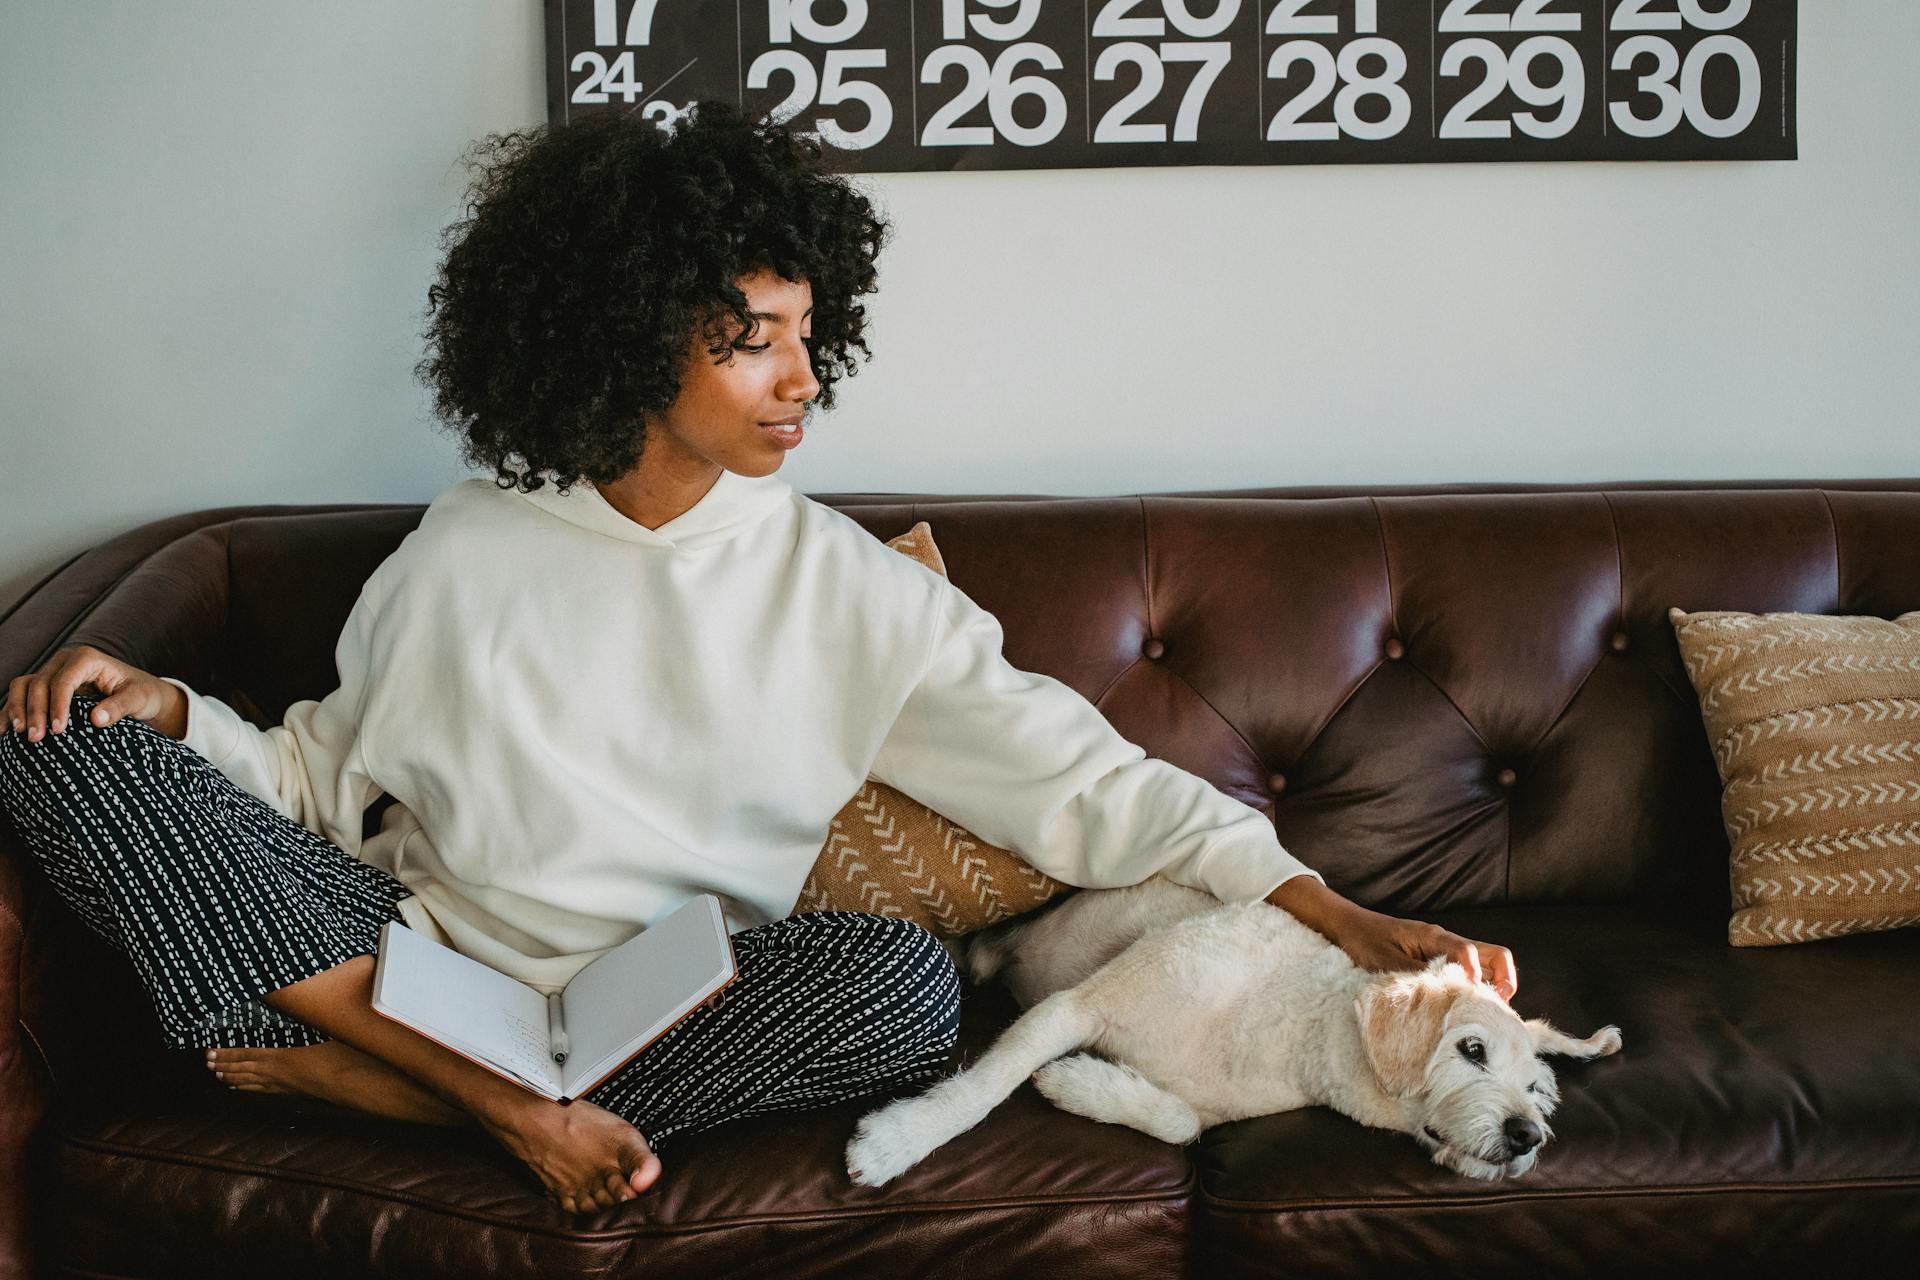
x,y
559,1046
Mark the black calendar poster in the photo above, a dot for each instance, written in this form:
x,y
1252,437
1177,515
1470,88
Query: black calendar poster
x,y
1047,84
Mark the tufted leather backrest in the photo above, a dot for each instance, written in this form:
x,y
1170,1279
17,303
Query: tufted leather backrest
x,y
1442,700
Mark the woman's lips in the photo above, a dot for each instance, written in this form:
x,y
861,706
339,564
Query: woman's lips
x,y
785,437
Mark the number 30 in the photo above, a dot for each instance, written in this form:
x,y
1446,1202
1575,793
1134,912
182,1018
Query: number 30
x,y
1686,98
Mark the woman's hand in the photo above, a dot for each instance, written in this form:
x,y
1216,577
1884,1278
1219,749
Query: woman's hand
x,y
39,701
1389,944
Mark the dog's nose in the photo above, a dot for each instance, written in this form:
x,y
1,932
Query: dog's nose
x,y
1523,1135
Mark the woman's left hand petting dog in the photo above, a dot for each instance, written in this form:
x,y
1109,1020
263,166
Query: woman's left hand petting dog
x,y
1288,1021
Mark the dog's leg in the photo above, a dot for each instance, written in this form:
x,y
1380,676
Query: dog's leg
x,y
1115,1093
893,1139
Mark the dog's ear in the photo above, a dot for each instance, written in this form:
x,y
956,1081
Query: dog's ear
x,y
1401,1016
1549,1039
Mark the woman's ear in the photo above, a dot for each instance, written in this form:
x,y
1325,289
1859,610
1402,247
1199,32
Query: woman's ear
x,y
1401,1018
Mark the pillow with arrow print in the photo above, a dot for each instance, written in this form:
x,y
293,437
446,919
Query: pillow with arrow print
x,y
1815,723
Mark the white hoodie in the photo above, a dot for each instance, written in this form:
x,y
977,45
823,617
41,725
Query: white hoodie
x,y
585,722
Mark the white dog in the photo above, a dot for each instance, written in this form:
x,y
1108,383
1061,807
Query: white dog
x,y
1208,1012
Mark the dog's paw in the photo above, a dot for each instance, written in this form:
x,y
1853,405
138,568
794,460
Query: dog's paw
x,y
1605,1041
886,1144
1073,1083
1471,1166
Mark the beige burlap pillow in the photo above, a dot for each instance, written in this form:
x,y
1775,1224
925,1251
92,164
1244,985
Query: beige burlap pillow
x,y
891,855
1815,722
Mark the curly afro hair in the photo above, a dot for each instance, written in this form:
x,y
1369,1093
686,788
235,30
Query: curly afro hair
x,y
595,252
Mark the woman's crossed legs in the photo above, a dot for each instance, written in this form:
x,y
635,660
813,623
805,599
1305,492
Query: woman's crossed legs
x,y
254,938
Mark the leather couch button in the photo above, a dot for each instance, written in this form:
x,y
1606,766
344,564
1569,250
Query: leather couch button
x,y
1506,777
1395,650
1153,648
1277,783
1619,642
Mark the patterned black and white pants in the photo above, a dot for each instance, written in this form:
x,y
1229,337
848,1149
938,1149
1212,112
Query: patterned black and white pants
x,y
219,899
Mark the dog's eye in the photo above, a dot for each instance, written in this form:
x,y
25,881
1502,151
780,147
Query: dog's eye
x,y
1533,1088
1473,1051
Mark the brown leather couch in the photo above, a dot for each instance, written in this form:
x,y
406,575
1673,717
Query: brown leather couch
x,y
1460,706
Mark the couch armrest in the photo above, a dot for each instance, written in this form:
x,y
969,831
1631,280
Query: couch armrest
x,y
24,1082
77,600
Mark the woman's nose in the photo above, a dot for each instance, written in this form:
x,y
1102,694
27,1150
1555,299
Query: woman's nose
x,y
797,382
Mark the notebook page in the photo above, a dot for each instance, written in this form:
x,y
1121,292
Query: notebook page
x,y
636,991
464,1004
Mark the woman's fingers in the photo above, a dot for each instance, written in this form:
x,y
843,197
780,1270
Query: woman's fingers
x,y
40,703
1493,965
36,708
1467,954
1489,963
1506,977
67,681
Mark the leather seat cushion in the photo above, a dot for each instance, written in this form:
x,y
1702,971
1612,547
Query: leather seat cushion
x,y
1778,1089
213,1181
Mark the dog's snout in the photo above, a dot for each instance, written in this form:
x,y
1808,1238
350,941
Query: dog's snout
x,y
1523,1135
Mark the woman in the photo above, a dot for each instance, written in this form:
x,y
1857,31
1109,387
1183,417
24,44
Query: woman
x,y
630,667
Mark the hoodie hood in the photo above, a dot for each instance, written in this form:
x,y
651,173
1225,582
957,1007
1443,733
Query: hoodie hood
x,y
733,505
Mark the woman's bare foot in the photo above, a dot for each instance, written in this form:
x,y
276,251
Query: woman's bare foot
x,y
588,1157
337,1073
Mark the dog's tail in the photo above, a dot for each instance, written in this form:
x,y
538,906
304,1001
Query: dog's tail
x,y
988,950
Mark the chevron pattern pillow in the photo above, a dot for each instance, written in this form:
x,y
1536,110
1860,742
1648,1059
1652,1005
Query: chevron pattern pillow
x,y
1815,723
888,854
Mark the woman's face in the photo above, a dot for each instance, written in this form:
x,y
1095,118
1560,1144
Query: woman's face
x,y
722,413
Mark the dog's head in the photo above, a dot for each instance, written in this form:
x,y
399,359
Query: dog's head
x,y
1475,1070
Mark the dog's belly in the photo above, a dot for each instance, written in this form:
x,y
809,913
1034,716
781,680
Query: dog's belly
x,y
1209,1076
1202,1017
1227,1010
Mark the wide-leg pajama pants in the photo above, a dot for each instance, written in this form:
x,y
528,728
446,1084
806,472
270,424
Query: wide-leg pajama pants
x,y
218,899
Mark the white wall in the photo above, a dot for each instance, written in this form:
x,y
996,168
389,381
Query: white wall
x,y
220,219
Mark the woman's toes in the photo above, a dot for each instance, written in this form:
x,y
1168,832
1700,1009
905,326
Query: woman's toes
x,y
230,1064
641,1165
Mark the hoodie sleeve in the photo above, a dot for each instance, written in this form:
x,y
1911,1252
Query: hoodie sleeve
x,y
1025,762
311,767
